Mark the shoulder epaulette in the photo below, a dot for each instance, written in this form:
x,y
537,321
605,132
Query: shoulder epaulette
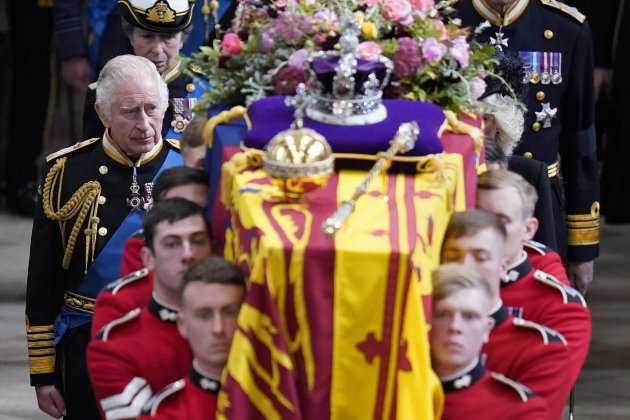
x,y
569,294
72,148
196,69
523,392
537,246
151,407
115,286
175,143
138,234
571,11
548,335
103,334
93,86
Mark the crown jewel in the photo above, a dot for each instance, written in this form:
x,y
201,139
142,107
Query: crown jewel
x,y
346,86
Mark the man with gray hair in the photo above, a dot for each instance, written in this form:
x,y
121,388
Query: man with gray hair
x,y
93,197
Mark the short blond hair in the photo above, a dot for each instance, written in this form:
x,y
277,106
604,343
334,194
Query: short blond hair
x,y
502,178
452,277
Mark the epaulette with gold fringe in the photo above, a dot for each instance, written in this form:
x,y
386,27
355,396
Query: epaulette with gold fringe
x,y
571,11
548,335
72,148
175,143
103,334
523,392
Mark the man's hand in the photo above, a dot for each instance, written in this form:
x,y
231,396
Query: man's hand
x,y
603,81
50,401
76,73
580,274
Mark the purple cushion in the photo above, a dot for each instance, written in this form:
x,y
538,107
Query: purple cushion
x,y
270,115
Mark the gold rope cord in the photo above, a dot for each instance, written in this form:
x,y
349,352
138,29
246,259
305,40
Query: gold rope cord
x,y
84,201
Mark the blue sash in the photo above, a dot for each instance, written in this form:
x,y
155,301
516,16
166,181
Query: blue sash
x,y
106,266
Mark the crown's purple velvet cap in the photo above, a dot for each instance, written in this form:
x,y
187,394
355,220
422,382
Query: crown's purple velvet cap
x,y
270,115
326,68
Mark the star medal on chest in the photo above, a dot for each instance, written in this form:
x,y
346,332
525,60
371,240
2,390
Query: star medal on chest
x,y
500,40
135,202
546,114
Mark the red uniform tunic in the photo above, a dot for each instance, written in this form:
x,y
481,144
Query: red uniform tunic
x,y
193,398
537,296
135,356
545,259
533,355
120,297
491,396
131,258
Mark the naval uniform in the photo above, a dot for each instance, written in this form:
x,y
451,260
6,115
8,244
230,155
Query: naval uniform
x,y
183,93
120,297
135,356
491,396
554,43
192,398
537,296
533,355
81,221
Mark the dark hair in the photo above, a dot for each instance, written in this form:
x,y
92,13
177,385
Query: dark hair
x,y
213,270
170,210
177,176
471,221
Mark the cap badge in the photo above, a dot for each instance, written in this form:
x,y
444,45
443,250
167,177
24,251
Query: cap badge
x,y
161,13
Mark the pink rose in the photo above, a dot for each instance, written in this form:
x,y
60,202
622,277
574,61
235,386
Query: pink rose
x,y
369,49
477,87
297,58
232,44
423,5
432,50
460,51
397,11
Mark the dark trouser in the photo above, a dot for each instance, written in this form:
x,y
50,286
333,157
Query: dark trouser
x,y
75,383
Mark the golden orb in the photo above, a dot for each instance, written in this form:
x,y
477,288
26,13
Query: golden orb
x,y
298,161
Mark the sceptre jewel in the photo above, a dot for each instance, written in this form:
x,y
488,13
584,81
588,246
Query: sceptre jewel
x,y
403,141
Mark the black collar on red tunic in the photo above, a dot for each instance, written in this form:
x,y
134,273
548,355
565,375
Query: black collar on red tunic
x,y
500,316
465,380
204,382
161,311
517,271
